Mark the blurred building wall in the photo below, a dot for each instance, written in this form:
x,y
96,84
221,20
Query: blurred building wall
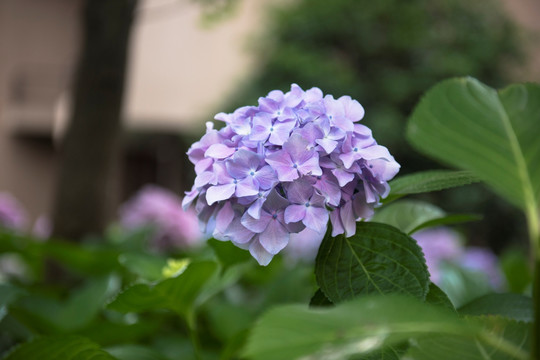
x,y
179,73
180,69
37,51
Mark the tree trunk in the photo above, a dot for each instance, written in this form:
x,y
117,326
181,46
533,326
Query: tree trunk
x,y
91,146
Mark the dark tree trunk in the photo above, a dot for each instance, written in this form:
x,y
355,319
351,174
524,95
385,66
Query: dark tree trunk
x,y
91,146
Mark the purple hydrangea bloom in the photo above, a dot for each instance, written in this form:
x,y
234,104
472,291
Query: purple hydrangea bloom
x,y
161,209
439,245
484,261
445,245
294,162
12,214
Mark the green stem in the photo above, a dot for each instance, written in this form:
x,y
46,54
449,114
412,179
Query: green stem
x,y
533,222
192,328
535,346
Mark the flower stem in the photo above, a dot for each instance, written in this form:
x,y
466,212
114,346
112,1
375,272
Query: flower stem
x,y
535,346
192,329
533,220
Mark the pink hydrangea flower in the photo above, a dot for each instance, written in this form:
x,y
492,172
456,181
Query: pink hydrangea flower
x,y
174,227
12,214
294,162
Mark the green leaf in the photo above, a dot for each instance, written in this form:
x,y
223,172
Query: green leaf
x,y
146,266
511,306
319,299
463,285
411,216
516,269
228,254
467,124
428,181
436,296
59,347
406,215
360,326
8,294
379,259
452,219
177,293
77,311
499,339
134,352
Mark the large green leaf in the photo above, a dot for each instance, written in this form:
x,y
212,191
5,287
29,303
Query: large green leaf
x,y
59,347
436,296
8,294
499,339
379,259
134,352
493,134
49,315
512,306
177,293
361,326
411,216
428,181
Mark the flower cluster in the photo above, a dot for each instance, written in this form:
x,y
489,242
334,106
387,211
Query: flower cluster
x,y
12,214
161,209
295,161
442,245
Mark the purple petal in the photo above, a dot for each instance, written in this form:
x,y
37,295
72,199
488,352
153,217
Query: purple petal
x,y
262,256
246,187
282,164
204,179
219,192
327,144
347,219
254,209
300,191
280,132
203,165
337,225
219,151
294,213
223,219
274,238
274,202
256,225
266,177
343,177
316,218
189,197
353,110
238,233
311,166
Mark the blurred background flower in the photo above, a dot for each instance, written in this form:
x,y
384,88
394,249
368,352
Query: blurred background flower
x,y
161,210
12,213
463,272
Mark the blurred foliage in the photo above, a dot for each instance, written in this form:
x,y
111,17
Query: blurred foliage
x,y
386,54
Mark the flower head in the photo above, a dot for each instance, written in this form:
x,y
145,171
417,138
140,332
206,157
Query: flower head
x,y
12,214
294,162
161,209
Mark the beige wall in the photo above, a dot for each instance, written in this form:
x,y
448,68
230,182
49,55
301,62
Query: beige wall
x,y
37,47
527,14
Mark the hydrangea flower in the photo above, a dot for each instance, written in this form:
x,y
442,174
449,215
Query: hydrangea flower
x,y
442,245
295,161
161,209
12,214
